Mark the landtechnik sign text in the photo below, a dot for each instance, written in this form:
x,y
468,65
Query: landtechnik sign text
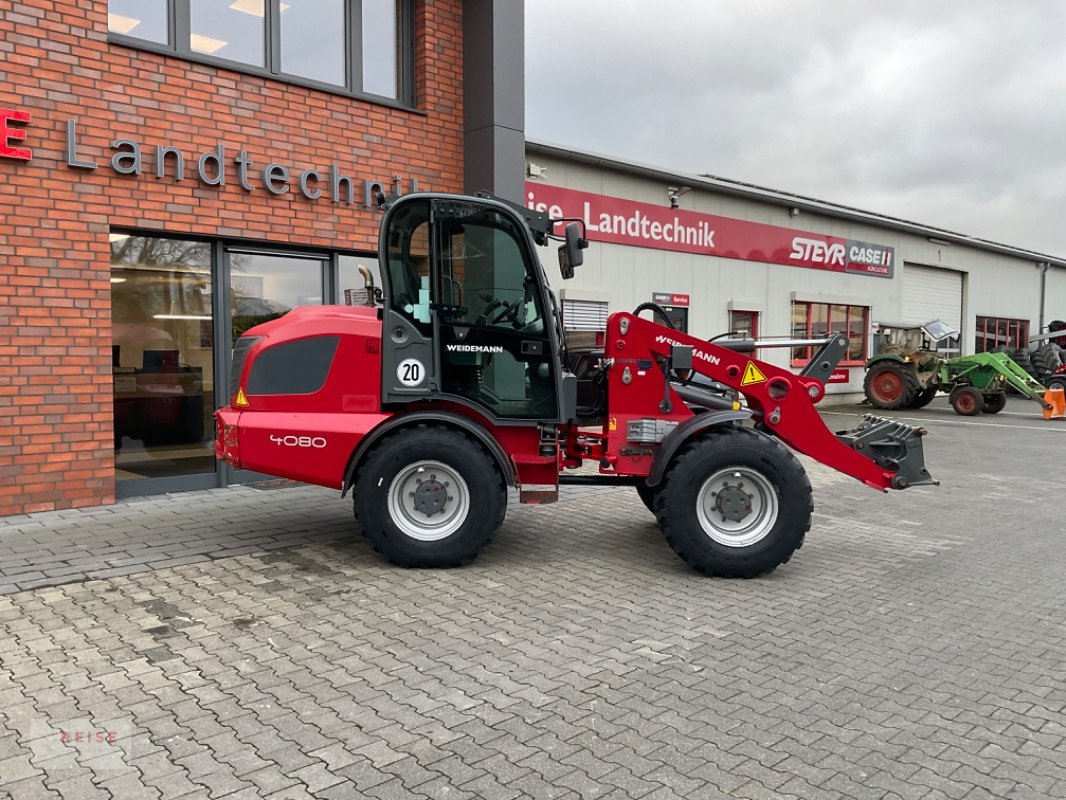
x,y
614,219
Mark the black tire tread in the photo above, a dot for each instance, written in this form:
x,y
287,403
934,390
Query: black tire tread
x,y
1046,359
994,403
390,442
923,397
680,465
647,496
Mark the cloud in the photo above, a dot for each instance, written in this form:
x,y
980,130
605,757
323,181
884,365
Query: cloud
x,y
945,113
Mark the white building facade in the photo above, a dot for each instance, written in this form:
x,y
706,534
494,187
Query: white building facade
x,y
728,256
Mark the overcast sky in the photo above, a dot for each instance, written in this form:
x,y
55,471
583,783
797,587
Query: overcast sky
x,y
947,113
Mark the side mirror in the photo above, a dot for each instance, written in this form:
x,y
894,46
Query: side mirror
x,y
570,255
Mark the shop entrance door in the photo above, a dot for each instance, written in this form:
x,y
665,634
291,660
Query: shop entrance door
x,y
262,286
162,364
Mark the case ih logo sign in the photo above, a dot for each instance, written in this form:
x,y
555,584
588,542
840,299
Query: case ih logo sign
x,y
612,219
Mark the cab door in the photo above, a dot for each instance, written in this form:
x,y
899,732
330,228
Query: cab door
x,y
494,348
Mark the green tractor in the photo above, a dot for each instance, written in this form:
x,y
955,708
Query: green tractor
x,y
907,372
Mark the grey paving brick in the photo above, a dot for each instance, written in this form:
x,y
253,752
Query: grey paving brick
x,y
260,649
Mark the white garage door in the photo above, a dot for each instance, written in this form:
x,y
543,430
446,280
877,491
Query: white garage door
x,y
931,293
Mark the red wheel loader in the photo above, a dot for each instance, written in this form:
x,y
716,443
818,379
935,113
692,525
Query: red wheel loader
x,y
455,383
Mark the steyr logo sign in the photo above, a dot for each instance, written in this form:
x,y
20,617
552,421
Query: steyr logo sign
x,y
9,133
629,222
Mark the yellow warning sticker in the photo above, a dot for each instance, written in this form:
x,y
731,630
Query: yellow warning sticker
x,y
612,424
752,374
240,400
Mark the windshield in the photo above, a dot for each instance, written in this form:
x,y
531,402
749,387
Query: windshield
x,y
937,330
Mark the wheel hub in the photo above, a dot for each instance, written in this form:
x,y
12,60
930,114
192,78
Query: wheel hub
x,y
737,506
431,496
429,500
732,502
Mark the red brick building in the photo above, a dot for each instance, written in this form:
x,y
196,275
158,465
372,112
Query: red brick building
x,y
174,171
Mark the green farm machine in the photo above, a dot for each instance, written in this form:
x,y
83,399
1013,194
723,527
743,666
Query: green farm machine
x,y
908,371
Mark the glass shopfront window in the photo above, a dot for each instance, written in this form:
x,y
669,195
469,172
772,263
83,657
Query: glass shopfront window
x,y
1000,333
818,320
162,356
264,286
352,287
177,307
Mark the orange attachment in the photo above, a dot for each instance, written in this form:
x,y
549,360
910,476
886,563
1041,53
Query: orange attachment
x,y
1056,399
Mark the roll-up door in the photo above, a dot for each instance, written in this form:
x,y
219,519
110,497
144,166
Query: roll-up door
x,y
931,293
584,315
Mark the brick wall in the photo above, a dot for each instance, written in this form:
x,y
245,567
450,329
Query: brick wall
x,y
56,439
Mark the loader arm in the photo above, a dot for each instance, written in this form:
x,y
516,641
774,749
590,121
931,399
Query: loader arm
x,y
881,453
984,370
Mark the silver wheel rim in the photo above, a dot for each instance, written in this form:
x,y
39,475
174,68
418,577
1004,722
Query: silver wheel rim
x,y
737,507
428,501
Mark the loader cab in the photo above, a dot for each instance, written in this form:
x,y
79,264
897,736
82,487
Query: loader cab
x,y
467,313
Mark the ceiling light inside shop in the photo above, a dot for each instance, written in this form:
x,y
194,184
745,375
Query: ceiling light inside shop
x,y
181,316
253,7
116,23
205,44
117,237
118,280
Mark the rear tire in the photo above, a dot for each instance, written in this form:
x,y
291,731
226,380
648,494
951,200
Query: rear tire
x,y
1046,359
430,497
967,401
735,504
890,385
994,403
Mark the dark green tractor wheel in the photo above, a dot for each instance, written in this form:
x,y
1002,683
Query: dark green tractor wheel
x,y
994,403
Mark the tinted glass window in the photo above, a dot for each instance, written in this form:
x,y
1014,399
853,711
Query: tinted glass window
x,y
143,19
380,65
408,255
232,30
312,39
299,367
264,286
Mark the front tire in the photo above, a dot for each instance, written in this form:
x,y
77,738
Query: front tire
x,y
430,497
967,401
735,504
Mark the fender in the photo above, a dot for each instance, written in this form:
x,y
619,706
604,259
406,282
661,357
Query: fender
x,y
446,417
885,357
686,430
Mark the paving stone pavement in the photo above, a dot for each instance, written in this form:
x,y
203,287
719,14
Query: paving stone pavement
x,y
256,647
